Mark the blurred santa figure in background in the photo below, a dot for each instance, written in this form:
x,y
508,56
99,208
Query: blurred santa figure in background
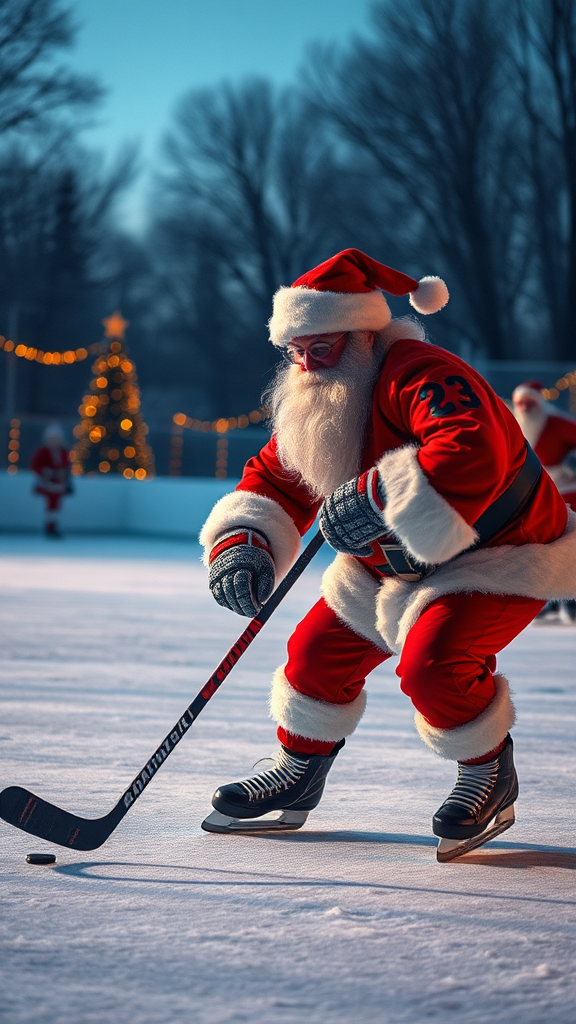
x,y
51,464
552,435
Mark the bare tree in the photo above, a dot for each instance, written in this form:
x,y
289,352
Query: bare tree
x,y
544,53
252,196
33,87
253,161
55,217
426,99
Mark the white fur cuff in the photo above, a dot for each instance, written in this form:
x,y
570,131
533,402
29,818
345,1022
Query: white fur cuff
x,y
425,523
312,719
477,737
244,508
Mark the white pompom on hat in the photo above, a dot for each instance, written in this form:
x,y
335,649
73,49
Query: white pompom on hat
x,y
345,294
530,389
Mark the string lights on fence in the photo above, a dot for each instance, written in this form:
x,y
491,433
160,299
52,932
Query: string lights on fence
x,y
176,445
567,381
221,426
221,458
38,355
13,446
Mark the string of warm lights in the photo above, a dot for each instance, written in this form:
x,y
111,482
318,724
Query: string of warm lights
x,y
13,447
223,424
567,381
38,355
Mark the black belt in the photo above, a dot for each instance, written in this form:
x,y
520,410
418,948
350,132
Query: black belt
x,y
501,512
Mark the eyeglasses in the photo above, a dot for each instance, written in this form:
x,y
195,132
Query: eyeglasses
x,y
319,350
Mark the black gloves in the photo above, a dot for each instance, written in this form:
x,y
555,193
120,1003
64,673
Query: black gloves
x,y
353,515
242,572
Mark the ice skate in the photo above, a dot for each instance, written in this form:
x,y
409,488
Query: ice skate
x,y
277,800
480,806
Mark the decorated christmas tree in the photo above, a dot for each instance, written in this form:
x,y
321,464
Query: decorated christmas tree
x,y
112,434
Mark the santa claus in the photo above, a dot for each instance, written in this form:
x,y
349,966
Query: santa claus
x,y
552,435
450,538
51,464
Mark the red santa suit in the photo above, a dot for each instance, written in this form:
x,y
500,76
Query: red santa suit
x,y
51,465
446,447
552,436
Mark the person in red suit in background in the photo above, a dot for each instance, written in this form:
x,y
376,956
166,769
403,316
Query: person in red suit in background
x,y
51,464
552,435
450,539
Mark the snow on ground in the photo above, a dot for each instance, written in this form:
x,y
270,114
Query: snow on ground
x,y
105,641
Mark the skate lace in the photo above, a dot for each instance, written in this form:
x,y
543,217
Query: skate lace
x,y
474,785
287,771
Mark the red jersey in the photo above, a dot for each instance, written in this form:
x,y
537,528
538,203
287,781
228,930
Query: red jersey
x,y
456,435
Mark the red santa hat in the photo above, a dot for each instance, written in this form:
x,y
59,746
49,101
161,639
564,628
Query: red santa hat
x,y
530,389
345,294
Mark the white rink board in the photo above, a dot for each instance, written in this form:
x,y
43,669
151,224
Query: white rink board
x,y
105,641
162,507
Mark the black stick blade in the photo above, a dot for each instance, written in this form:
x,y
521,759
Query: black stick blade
x,y
40,818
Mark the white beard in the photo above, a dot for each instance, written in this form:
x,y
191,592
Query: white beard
x,y
319,417
531,423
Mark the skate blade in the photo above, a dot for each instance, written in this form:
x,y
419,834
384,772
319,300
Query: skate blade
x,y
275,821
449,849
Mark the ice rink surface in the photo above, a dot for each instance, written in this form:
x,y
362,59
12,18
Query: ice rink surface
x,y
104,643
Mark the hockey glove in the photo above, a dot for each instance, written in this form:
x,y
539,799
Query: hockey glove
x,y
353,516
241,575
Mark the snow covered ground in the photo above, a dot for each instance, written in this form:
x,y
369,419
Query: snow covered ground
x,y
105,641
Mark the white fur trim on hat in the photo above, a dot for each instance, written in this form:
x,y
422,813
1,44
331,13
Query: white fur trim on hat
x,y
524,391
475,738
430,295
249,510
312,719
351,592
425,523
298,311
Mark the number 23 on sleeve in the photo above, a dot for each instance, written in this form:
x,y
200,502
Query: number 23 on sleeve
x,y
435,393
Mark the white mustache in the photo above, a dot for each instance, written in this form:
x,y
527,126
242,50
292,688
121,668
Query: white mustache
x,y
319,416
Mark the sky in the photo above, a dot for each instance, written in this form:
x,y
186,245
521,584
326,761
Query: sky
x,y
148,53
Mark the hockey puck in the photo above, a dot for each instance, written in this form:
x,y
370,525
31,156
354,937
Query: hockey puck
x,y
40,858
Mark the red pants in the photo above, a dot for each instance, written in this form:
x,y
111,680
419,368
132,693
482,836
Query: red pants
x,y
446,665
53,502
53,499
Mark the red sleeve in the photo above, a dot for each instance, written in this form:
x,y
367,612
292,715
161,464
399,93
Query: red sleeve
x,y
470,446
264,475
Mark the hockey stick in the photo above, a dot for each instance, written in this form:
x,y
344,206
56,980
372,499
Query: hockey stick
x,y
40,818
